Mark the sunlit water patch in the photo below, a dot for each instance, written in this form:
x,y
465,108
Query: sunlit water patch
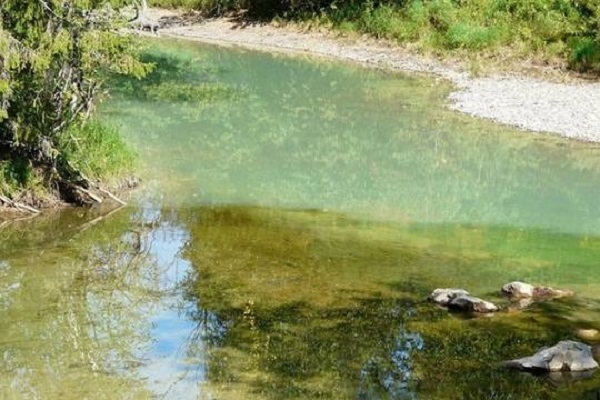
x,y
294,216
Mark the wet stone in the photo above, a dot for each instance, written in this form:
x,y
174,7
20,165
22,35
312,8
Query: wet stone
x,y
567,355
443,296
471,304
519,289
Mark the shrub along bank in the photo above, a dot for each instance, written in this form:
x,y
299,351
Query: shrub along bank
x,y
54,57
566,31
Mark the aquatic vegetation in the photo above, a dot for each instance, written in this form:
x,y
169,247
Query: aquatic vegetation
x,y
308,321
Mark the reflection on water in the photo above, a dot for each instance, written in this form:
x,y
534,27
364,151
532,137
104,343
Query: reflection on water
x,y
396,381
294,218
99,312
320,135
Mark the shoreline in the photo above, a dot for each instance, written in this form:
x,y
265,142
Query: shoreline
x,y
567,109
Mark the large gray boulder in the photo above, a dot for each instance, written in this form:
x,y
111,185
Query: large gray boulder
x,y
567,355
471,304
443,296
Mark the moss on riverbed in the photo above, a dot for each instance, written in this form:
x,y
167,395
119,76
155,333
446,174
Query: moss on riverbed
x,y
307,309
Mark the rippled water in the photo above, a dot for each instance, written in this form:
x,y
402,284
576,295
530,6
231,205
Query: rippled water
x,y
295,215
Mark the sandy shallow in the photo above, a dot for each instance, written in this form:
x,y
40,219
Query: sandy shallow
x,y
568,109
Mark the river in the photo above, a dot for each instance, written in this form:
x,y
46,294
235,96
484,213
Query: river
x,y
294,216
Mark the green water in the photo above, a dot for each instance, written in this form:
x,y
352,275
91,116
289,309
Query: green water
x,y
294,216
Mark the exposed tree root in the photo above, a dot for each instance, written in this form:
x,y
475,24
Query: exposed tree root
x,y
77,188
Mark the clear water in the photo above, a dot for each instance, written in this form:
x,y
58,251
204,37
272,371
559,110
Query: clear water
x,y
286,236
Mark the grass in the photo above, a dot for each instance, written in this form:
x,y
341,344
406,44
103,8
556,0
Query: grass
x,y
547,30
97,149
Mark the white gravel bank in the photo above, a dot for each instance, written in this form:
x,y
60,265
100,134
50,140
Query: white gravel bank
x,y
568,109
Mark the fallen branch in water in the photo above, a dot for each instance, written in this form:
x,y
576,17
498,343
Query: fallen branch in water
x,y
89,193
112,196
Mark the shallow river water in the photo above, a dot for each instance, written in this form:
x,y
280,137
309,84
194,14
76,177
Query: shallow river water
x,y
294,216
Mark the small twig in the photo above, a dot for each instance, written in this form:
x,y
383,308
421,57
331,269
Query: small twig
x,y
28,208
6,200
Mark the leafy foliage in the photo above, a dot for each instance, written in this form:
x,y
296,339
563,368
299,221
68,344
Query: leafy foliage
x,y
568,29
53,55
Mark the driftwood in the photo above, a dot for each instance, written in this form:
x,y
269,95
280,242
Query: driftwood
x,y
18,206
112,196
90,194
142,21
82,190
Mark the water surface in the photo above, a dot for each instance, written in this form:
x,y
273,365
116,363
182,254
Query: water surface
x,y
294,216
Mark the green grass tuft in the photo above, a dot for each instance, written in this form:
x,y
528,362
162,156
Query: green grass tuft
x,y
585,54
98,150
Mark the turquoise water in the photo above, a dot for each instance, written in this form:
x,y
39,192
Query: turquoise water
x,y
294,215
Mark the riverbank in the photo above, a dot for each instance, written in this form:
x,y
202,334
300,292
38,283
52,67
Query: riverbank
x,y
569,107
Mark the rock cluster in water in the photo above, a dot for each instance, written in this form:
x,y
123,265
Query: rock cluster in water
x,y
567,355
525,293
461,300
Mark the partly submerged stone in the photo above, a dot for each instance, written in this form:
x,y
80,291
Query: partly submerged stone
x,y
468,303
443,296
588,334
551,293
518,289
567,355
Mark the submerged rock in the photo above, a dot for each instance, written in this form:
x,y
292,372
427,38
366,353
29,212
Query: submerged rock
x,y
471,304
548,292
524,290
443,296
567,355
588,334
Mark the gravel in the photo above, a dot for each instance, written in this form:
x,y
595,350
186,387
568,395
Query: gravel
x,y
568,109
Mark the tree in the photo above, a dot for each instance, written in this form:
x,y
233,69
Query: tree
x,y
53,57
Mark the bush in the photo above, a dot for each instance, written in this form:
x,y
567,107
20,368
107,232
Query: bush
x,y
585,54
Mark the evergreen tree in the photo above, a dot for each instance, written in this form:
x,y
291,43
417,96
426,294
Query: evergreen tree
x,y
53,55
